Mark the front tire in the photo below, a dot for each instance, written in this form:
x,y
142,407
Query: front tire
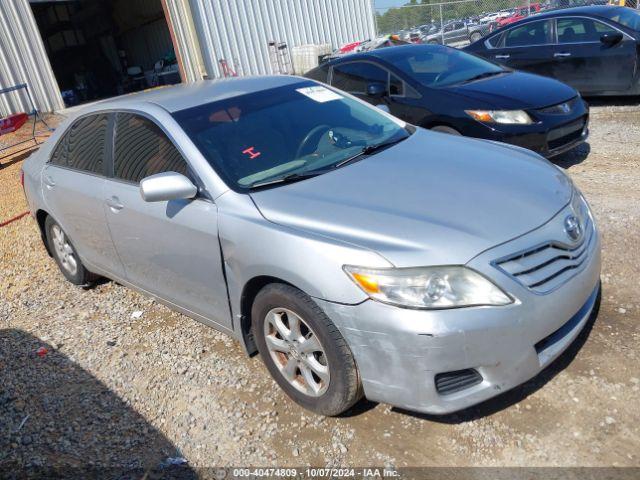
x,y
65,254
304,351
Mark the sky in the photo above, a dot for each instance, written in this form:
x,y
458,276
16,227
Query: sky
x,y
384,4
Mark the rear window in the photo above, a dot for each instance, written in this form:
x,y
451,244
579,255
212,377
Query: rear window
x,y
82,147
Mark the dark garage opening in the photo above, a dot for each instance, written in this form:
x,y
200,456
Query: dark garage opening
x,y
103,48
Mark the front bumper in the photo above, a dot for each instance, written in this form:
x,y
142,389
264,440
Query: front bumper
x,y
549,137
400,351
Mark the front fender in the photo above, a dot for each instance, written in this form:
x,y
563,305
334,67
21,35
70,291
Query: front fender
x,y
254,247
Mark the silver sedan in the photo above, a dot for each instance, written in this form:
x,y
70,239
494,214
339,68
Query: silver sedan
x,y
359,255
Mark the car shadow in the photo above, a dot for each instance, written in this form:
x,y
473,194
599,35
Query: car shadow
x,y
59,421
520,393
573,157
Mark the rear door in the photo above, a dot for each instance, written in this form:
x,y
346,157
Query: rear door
x,y
526,47
73,185
587,64
168,248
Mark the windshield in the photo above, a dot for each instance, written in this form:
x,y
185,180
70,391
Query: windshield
x,y
626,16
292,130
438,66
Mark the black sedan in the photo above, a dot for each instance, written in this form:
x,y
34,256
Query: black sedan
x,y
448,90
594,49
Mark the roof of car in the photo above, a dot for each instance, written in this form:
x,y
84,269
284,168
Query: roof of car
x,y
588,10
387,52
180,97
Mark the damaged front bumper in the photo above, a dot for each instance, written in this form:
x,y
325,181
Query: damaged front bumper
x,y
441,361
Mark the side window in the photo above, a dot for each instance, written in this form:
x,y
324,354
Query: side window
x,y
143,149
353,77
579,30
82,147
396,86
319,74
495,40
536,33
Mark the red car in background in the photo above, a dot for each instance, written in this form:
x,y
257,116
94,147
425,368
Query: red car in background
x,y
521,12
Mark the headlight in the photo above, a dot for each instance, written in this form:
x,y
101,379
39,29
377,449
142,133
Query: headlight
x,y
428,287
513,117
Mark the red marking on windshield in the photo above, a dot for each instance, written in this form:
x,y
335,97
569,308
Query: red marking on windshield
x,y
251,152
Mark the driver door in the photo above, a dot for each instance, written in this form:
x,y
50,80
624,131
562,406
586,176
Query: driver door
x,y
586,63
168,248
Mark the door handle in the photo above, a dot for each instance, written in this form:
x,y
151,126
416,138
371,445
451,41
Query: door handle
x,y
502,57
561,54
49,182
114,204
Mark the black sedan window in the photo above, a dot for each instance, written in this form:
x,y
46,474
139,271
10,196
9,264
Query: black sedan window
x,y
535,33
580,30
438,66
354,77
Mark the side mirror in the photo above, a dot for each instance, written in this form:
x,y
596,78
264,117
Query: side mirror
x,y
166,186
611,39
376,90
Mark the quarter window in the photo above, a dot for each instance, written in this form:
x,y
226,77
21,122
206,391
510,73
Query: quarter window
x,y
580,30
142,149
536,33
82,147
355,76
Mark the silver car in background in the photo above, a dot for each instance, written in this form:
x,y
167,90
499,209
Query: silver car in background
x,y
358,254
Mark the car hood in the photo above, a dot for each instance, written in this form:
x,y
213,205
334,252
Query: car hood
x,y
514,90
431,199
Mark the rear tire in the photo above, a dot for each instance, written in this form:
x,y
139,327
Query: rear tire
x,y
304,351
65,255
445,129
475,36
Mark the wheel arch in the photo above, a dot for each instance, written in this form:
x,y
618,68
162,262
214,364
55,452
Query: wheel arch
x,y
249,293
41,218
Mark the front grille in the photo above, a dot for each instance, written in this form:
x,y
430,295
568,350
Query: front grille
x,y
546,267
566,134
452,382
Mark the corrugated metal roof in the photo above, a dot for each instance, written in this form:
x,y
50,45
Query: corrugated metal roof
x,y
23,60
238,31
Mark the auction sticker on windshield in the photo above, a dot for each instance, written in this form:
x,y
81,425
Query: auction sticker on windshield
x,y
319,94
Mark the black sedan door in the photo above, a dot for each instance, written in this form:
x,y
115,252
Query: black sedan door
x,y
587,61
526,47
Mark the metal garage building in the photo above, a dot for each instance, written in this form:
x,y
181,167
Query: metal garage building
x,y
127,45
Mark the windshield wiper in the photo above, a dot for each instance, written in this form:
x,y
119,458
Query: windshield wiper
x,y
483,75
290,178
369,150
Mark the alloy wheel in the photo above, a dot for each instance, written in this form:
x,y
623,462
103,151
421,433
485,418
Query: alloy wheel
x,y
297,352
64,251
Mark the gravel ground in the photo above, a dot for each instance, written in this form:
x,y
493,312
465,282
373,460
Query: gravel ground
x,y
127,382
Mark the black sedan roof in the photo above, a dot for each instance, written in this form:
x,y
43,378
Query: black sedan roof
x,y
600,11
